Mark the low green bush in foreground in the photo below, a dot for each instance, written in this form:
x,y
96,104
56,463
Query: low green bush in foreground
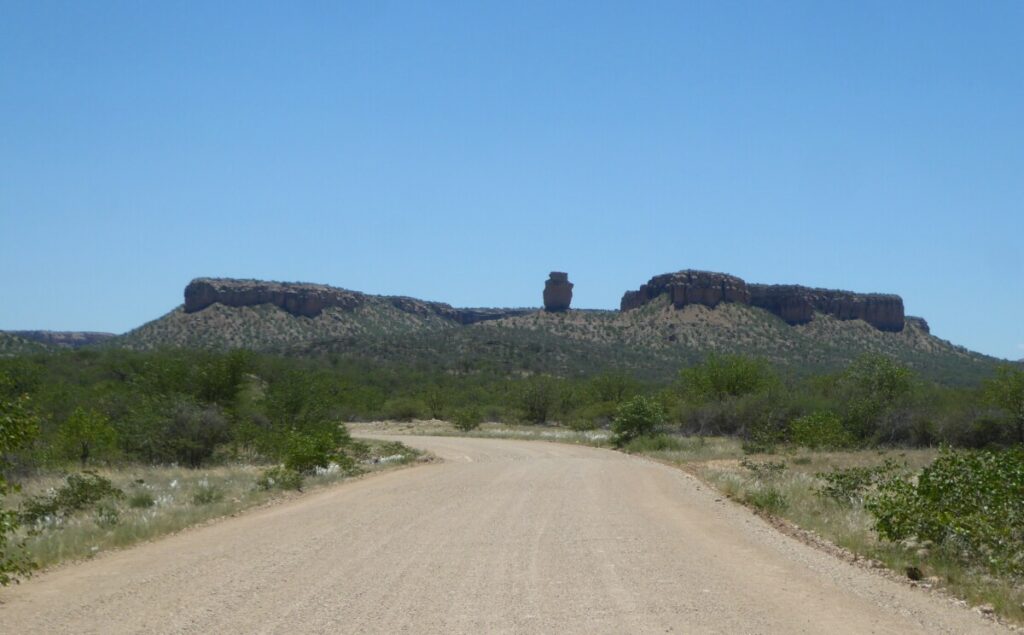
x,y
969,503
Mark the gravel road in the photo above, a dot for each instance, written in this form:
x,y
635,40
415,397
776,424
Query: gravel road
x,y
503,536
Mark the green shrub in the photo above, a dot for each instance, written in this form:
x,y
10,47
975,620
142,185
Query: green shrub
x,y
822,429
80,491
638,417
969,502
279,477
849,485
1006,392
765,470
85,435
537,398
467,419
403,409
304,452
767,499
594,415
19,425
141,500
720,377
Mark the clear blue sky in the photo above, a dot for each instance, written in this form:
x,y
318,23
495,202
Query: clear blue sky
x,y
460,151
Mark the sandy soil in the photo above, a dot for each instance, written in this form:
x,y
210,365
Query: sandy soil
x,y
503,536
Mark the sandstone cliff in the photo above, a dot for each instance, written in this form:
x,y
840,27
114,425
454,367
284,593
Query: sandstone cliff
x,y
793,303
557,292
310,300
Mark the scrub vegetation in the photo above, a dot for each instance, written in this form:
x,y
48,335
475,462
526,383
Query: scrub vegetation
x,y
113,446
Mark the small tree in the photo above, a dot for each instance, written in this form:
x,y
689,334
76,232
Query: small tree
x,y
720,377
537,398
85,435
638,417
18,426
468,419
873,386
1006,392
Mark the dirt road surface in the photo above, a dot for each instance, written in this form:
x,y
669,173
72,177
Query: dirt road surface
x,y
503,536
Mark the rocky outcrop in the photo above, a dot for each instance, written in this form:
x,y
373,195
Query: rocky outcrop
x,y
793,303
310,300
689,287
557,292
65,339
797,305
919,322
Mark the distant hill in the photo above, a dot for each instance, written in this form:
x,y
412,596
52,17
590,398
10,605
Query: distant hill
x,y
802,329
63,339
11,344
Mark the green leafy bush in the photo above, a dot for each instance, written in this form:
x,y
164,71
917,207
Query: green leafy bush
x,y
80,491
720,377
18,427
849,485
467,419
404,409
819,430
87,434
279,477
537,398
969,502
638,417
304,452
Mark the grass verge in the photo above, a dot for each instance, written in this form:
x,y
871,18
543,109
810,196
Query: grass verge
x,y
787,486
162,500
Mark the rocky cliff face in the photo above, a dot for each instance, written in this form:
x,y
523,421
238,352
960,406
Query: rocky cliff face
x,y
797,305
793,303
310,300
557,292
689,287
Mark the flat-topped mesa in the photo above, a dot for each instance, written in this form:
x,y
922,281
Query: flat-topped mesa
x,y
310,300
557,292
797,305
793,303
689,287
297,298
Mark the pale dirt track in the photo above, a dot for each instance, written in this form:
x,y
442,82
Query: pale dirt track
x,y
503,536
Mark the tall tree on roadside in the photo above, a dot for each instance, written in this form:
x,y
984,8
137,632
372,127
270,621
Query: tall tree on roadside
x,y
1006,392
18,426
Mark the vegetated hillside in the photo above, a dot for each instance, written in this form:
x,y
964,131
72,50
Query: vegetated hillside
x,y
63,339
267,327
652,341
11,344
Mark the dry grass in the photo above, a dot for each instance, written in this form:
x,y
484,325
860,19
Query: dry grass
x,y
160,501
791,494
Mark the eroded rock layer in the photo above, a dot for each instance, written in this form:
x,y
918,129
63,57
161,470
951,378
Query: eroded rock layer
x,y
310,300
793,303
557,292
